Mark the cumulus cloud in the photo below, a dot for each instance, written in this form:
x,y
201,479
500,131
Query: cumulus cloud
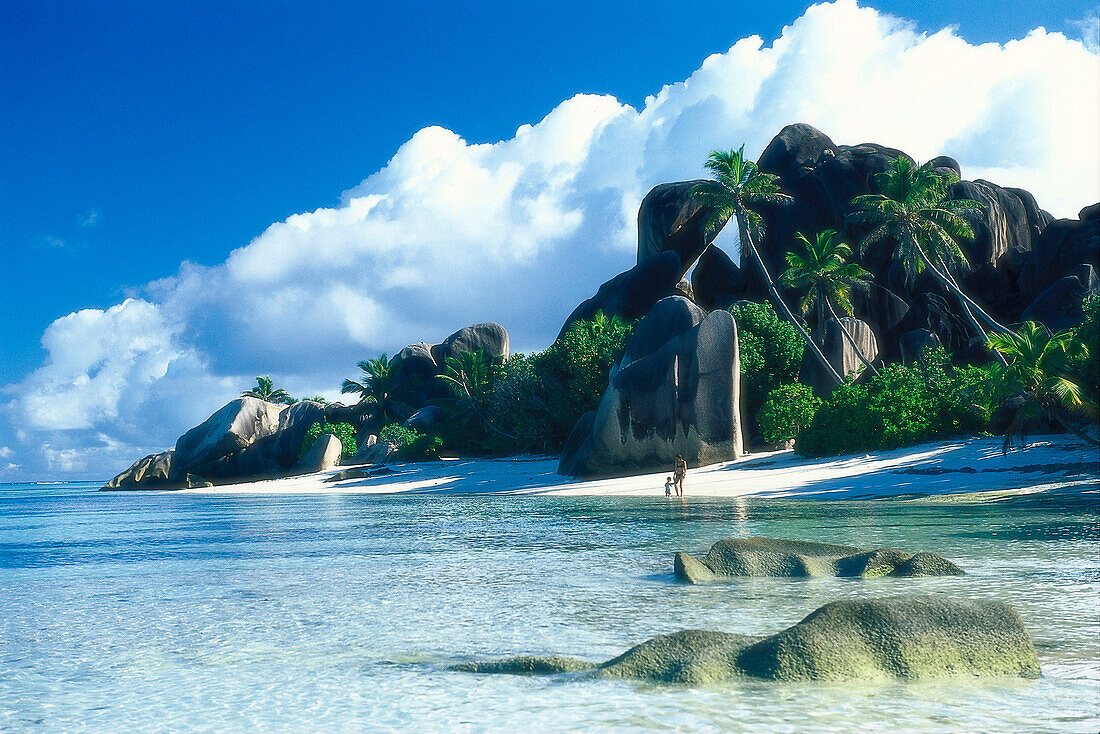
x,y
519,231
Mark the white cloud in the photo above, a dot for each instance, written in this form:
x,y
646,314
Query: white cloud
x,y
519,231
1088,27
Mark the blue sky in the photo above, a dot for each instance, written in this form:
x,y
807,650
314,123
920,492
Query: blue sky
x,y
138,136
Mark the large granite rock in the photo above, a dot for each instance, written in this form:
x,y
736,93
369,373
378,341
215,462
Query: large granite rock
x,y
207,449
670,219
737,557
1060,306
716,281
905,637
489,338
324,454
633,293
675,391
293,424
840,353
145,473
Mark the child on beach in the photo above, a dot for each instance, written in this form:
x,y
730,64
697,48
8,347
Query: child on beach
x,y
668,486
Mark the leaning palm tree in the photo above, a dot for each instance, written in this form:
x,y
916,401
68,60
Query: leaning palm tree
x,y
739,186
1041,364
914,212
374,387
822,268
265,390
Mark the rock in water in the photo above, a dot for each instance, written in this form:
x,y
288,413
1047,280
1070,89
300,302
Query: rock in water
x,y
526,665
146,473
739,557
324,454
675,391
906,637
204,449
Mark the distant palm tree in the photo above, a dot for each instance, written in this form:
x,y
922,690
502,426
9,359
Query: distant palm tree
x,y
823,270
266,390
739,186
926,227
374,387
1040,363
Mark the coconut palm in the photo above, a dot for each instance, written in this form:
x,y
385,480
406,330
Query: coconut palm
x,y
1041,364
265,390
471,376
823,270
926,227
374,387
739,186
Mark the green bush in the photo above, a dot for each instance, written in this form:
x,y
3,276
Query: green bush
x,y
343,431
786,411
412,445
771,352
901,407
1089,333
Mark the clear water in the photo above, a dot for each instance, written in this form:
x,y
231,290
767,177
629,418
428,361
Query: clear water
x,y
145,612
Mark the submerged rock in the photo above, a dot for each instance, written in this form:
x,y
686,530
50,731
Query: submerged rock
x,y
526,665
739,557
906,637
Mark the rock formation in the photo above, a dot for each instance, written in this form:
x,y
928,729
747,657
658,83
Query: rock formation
x,y
734,558
671,220
675,391
206,449
631,294
906,637
324,454
841,353
416,367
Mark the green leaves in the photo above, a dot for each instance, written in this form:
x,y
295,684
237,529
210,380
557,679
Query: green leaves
x,y
343,431
265,390
786,411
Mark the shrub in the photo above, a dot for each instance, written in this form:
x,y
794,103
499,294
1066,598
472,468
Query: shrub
x,y
412,445
771,352
787,410
343,431
901,407
1089,333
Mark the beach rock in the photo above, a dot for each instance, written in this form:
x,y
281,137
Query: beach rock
x,y
840,353
904,637
631,294
145,473
489,338
414,370
670,219
1060,306
675,391
205,450
915,344
324,454
526,665
356,415
293,424
739,557
378,452
424,418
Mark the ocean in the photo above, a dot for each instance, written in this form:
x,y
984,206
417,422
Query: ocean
x,y
129,612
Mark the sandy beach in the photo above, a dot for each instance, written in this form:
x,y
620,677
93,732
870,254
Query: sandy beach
x,y
958,466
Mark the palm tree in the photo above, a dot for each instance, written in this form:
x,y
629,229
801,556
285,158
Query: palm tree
x,y
472,376
374,388
738,186
265,390
822,269
914,212
1040,363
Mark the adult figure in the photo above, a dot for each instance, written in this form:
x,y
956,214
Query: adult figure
x,y
678,474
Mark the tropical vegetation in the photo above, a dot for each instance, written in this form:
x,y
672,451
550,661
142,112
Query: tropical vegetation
x,y
265,390
346,432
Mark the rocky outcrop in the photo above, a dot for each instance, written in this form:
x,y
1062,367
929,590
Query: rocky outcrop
x,y
670,219
324,454
738,557
416,367
840,353
206,450
676,390
293,424
145,473
905,637
489,338
717,282
631,294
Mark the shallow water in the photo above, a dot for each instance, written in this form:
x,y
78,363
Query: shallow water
x,y
133,612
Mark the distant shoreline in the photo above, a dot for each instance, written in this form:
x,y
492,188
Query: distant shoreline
x,y
956,466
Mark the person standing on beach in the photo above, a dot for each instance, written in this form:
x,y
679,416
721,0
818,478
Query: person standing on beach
x,y
678,474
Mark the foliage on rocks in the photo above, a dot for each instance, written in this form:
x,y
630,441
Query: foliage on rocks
x,y
771,352
412,445
343,431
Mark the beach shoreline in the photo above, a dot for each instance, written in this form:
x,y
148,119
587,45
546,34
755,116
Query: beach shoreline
x,y
952,467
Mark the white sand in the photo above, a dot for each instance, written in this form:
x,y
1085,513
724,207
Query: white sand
x,y
956,466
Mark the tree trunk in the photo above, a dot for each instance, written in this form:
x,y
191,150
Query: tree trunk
x,y
746,240
851,341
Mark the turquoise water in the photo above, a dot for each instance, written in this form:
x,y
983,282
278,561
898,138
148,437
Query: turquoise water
x,y
147,612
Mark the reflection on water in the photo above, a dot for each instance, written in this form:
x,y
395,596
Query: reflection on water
x,y
130,611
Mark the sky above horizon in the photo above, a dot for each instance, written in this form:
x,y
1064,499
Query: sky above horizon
x,y
194,194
